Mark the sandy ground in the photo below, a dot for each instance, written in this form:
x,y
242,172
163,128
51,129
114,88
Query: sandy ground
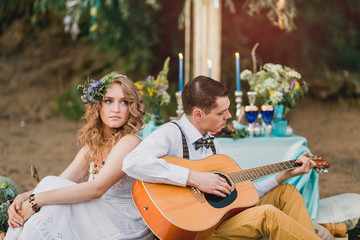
x,y
50,144
332,131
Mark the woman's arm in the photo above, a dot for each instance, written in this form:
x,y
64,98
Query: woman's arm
x,y
108,176
78,168
75,172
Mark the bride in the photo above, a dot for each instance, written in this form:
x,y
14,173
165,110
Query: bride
x,y
64,207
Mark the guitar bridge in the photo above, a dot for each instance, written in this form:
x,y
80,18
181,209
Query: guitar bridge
x,y
197,193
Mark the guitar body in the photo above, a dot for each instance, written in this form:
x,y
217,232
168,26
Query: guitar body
x,y
174,212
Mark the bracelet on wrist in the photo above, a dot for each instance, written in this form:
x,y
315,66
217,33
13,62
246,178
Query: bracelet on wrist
x,y
33,203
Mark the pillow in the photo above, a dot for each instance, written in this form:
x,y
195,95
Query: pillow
x,y
339,208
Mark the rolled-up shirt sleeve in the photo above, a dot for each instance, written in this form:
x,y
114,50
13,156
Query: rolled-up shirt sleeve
x,y
145,162
266,185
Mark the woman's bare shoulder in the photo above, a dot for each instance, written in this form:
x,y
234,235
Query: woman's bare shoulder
x,y
129,139
84,149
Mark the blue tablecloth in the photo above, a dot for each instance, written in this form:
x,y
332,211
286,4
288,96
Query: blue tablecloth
x,y
260,151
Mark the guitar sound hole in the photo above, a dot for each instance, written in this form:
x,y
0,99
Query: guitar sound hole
x,y
220,202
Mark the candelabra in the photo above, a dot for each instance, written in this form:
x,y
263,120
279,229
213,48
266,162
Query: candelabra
x,y
180,109
239,110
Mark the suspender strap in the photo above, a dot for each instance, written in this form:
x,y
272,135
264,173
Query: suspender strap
x,y
185,145
184,142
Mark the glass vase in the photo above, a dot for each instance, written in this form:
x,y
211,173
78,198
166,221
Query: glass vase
x,y
157,116
279,125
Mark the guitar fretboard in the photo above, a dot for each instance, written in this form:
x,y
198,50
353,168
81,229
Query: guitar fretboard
x,y
259,172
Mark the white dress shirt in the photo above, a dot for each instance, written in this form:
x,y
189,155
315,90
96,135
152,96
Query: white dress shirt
x,y
143,162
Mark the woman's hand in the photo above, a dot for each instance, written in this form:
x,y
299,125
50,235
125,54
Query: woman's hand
x,y
15,220
26,210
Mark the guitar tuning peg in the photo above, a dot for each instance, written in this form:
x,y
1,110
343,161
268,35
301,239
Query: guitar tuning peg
x,y
325,171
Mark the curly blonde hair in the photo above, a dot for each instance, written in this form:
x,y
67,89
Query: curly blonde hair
x,y
92,133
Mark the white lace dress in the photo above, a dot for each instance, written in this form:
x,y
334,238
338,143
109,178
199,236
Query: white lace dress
x,y
113,216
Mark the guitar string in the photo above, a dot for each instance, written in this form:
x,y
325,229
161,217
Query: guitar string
x,y
254,173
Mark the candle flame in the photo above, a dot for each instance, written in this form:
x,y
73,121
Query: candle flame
x,y
209,63
237,54
180,56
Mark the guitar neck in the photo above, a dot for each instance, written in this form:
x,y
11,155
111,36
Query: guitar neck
x,y
259,172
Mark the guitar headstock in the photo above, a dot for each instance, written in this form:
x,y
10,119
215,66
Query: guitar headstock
x,y
321,164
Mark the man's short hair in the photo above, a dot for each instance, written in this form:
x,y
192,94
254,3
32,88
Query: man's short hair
x,y
202,92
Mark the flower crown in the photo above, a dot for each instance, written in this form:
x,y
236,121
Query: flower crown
x,y
94,91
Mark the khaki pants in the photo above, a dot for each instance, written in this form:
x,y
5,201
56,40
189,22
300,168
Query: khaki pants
x,y
279,215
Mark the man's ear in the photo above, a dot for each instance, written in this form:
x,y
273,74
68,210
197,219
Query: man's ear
x,y
198,114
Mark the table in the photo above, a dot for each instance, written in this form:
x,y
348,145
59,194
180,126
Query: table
x,y
259,151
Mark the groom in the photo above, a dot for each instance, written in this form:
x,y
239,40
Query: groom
x,y
279,214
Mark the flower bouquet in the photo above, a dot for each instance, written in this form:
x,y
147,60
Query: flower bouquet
x,y
276,85
154,94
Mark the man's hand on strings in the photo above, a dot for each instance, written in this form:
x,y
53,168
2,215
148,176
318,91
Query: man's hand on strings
x,y
306,165
209,182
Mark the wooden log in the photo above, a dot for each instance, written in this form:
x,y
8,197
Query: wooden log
x,y
337,230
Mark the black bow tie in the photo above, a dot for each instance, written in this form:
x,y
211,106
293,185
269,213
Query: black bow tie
x,y
203,142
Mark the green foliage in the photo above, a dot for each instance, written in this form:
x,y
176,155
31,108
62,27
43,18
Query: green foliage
x,y
44,6
239,134
330,35
230,131
69,103
257,6
128,32
126,29
8,191
15,9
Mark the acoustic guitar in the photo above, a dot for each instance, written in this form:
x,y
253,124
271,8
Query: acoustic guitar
x,y
177,213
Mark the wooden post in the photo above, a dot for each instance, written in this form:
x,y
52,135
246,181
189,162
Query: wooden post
x,y
187,59
206,38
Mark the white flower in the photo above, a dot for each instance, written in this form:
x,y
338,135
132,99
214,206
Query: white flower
x,y
276,69
276,97
293,74
165,98
270,83
260,89
245,74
